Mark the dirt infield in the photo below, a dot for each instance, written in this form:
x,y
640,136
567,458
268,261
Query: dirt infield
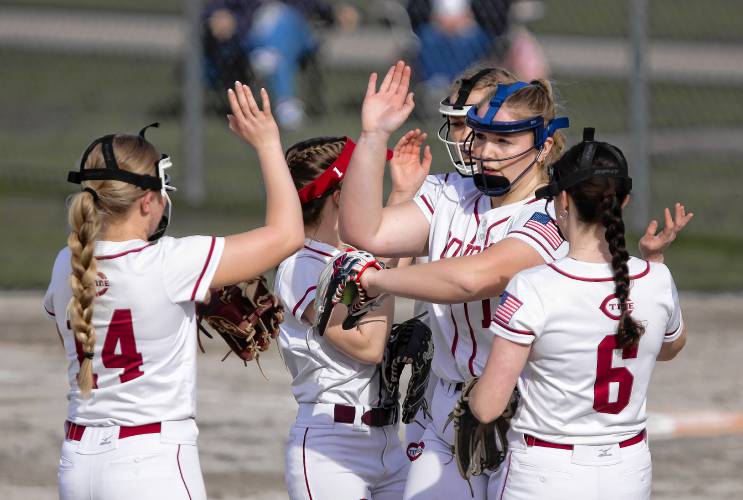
x,y
695,401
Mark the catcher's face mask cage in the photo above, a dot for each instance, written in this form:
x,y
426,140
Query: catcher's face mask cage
x,y
499,185
560,180
158,182
458,109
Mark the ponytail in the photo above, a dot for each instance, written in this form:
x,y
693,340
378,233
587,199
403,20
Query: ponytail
x,y
85,226
629,330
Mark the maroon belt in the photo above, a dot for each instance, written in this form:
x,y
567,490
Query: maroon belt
x,y
74,432
532,441
375,417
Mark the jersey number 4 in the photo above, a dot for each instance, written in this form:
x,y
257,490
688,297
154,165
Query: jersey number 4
x,y
120,332
606,374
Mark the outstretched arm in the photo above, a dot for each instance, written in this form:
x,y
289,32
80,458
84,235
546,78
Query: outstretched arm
x,y
253,252
458,279
398,230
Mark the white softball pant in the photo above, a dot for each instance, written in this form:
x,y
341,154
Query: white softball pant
x,y
433,473
327,460
602,472
153,466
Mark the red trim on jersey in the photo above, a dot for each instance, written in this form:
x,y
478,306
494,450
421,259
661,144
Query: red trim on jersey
x,y
487,233
318,251
203,271
532,237
178,459
595,280
446,178
294,310
505,481
477,214
673,332
428,204
49,312
535,441
121,254
532,201
474,341
510,329
304,463
456,333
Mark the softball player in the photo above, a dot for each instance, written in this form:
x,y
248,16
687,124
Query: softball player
x,y
122,297
584,333
466,91
344,443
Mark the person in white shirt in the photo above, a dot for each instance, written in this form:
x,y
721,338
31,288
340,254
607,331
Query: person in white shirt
x,y
123,297
344,443
580,337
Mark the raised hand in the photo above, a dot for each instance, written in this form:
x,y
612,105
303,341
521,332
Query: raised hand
x,y
254,125
407,169
653,244
386,109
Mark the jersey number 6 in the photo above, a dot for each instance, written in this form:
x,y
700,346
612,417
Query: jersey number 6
x,y
606,374
120,331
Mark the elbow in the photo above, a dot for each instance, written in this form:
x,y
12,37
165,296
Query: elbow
x,y
482,411
369,356
471,287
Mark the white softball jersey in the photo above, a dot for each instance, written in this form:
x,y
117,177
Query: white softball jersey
x,y
463,222
145,321
577,386
320,372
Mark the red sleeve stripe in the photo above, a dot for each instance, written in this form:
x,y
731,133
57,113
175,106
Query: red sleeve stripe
x,y
428,204
203,271
326,254
595,280
294,310
533,238
52,314
512,330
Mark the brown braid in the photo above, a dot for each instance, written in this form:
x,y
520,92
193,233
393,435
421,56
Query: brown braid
x,y
307,160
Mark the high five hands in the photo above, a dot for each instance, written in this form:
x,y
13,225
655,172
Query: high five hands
x,y
386,109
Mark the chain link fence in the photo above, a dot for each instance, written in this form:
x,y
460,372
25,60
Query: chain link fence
x,y
76,69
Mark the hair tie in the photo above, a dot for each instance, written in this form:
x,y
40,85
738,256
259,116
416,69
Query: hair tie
x,y
92,192
88,355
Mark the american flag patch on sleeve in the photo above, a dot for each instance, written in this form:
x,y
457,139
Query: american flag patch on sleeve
x,y
543,225
507,307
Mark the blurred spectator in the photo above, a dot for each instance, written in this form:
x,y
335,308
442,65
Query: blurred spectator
x,y
245,39
454,34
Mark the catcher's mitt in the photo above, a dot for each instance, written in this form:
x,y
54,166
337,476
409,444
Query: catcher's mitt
x,y
479,446
246,315
340,282
409,344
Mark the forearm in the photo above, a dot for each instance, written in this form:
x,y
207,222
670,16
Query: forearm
x,y
366,342
283,210
362,193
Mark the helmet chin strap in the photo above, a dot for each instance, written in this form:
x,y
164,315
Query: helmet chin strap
x,y
499,185
162,226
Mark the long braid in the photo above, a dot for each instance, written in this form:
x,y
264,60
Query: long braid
x,y
628,330
85,225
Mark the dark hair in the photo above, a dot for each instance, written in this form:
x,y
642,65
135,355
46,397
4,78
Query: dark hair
x,y
307,160
599,200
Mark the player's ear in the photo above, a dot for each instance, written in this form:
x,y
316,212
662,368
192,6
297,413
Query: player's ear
x,y
564,201
546,149
147,202
337,197
625,201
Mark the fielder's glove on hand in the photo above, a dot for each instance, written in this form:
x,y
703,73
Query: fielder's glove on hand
x,y
410,343
479,446
246,315
340,282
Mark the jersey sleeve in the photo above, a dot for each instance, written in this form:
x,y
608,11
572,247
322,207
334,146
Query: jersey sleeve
x,y
61,269
519,316
296,285
189,266
428,194
534,226
49,303
675,321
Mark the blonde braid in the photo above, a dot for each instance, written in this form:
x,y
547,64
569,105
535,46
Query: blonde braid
x,y
85,225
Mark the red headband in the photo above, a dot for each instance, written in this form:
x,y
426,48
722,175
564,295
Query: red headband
x,y
332,176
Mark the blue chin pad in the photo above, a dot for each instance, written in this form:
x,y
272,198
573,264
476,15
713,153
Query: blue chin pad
x,y
487,123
